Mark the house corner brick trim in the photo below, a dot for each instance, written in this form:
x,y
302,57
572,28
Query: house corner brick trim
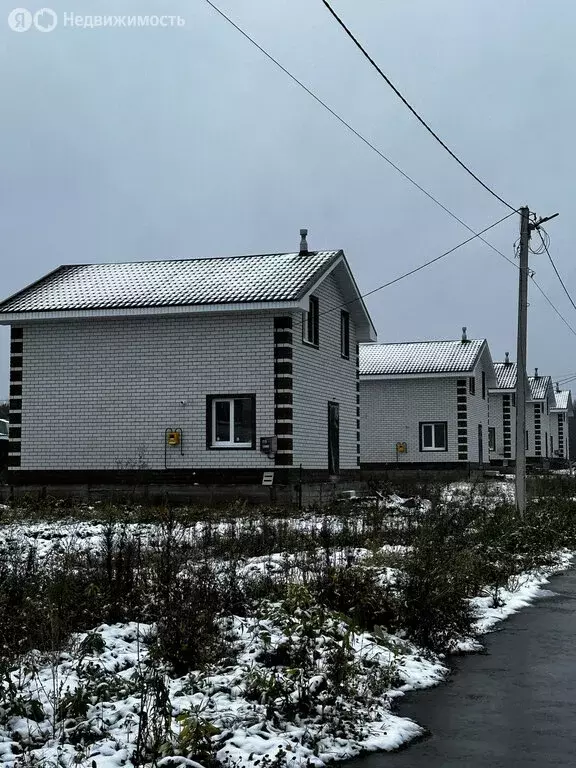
x,y
15,403
358,404
283,391
506,426
462,412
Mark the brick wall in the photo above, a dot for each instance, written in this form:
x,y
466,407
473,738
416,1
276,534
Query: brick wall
x,y
320,376
100,393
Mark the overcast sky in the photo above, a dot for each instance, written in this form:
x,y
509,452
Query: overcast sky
x,y
129,144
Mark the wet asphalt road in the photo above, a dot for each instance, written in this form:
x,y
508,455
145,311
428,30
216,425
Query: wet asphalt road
x,y
514,706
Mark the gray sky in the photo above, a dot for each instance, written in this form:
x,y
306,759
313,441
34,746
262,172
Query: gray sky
x,y
123,144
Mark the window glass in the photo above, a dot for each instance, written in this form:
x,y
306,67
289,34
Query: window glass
x,y
345,334
3,427
311,326
222,421
243,420
439,436
427,436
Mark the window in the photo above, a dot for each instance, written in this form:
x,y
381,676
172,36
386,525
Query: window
x,y
472,385
231,421
483,385
551,445
513,399
345,334
310,328
492,438
433,436
527,444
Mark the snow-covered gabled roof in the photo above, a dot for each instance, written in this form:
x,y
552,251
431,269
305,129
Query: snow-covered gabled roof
x,y
539,387
563,400
420,357
269,281
505,375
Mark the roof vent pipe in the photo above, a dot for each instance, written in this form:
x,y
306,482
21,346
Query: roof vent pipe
x,y
303,241
507,358
535,373
557,387
464,337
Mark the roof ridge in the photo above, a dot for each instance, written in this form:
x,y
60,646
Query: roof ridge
x,y
430,341
200,258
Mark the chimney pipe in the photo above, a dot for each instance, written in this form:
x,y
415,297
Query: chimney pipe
x,y
464,337
507,358
535,373
303,241
557,387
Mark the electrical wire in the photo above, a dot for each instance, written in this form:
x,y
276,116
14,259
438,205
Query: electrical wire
x,y
411,108
355,132
420,267
545,243
370,145
560,315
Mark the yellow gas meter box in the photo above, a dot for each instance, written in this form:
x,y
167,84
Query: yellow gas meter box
x,y
173,438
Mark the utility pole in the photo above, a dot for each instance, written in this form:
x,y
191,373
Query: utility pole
x,y
526,228
521,378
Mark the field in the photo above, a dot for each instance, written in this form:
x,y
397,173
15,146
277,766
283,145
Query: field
x,y
245,636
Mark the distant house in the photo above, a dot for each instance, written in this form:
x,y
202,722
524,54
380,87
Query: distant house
x,y
540,439
200,371
539,436
502,416
560,416
425,403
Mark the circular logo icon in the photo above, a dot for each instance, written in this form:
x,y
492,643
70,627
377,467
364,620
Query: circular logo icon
x,y
20,20
45,20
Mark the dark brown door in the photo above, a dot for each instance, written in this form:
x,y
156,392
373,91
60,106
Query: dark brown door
x,y
333,439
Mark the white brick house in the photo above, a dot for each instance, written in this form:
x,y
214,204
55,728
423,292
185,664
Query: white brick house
x,y
502,414
424,403
542,435
184,369
562,411
539,439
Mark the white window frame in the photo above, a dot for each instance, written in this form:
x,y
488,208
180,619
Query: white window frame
x,y
345,334
434,447
228,443
311,324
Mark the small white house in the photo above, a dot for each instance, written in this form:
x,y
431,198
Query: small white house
x,y
539,437
562,411
196,371
502,414
425,403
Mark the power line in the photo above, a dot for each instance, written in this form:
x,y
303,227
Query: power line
x,y
411,108
545,244
368,143
355,132
560,315
422,266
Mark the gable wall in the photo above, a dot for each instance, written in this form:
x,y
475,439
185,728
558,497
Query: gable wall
x,y
322,375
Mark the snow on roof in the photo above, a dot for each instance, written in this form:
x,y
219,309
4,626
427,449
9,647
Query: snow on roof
x,y
229,280
539,386
562,399
505,375
419,357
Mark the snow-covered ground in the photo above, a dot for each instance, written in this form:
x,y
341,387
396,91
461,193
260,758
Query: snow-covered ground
x,y
82,706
